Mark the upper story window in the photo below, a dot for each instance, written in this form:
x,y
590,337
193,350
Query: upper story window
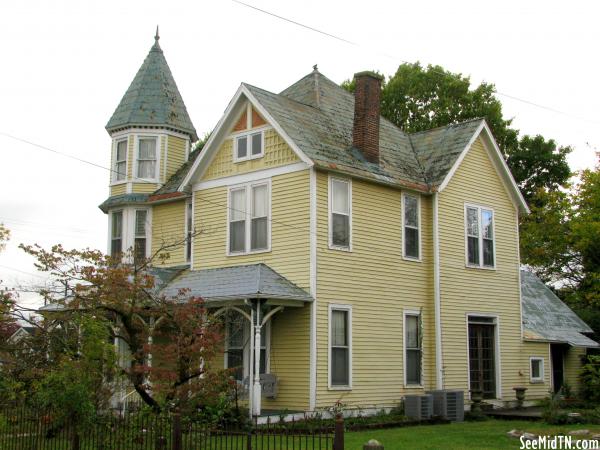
x,y
340,346
120,168
189,229
116,234
141,216
249,146
411,212
146,158
340,213
480,236
249,218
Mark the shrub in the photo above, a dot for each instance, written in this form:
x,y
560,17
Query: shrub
x,y
590,380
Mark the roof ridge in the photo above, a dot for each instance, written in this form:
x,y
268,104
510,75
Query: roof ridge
x,y
450,125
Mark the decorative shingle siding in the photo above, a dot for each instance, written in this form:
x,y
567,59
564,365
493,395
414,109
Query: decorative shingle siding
x,y
379,284
277,153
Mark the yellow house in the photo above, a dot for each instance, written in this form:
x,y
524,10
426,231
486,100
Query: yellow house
x,y
350,259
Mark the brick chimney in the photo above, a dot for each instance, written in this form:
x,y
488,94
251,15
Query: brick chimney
x,y
365,134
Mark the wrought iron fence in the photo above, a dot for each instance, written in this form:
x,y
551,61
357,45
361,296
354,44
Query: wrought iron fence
x,y
24,429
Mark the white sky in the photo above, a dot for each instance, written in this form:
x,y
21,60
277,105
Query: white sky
x,y
66,65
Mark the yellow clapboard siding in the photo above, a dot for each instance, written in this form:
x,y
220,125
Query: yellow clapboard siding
x,y
289,256
175,154
277,153
118,189
573,367
467,290
168,228
144,188
380,285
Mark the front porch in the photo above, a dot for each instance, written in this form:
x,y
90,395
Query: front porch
x,y
266,332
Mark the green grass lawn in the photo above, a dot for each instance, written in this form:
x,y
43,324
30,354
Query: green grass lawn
x,y
490,434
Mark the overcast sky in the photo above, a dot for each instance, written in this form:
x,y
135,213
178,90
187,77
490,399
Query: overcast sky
x,y
66,65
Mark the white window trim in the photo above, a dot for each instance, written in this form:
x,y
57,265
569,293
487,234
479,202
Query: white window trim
x,y
136,150
404,256
330,213
480,230
248,219
246,357
248,134
417,313
116,141
128,229
540,379
348,308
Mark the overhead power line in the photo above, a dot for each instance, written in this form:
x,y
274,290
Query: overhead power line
x,y
396,58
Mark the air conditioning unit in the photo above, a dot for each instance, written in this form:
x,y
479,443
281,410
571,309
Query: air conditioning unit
x,y
449,404
418,407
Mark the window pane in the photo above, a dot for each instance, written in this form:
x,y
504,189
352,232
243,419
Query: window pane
x,y
473,250
237,238
472,222
139,250
235,331
117,224
411,211
536,369
242,144
120,171
340,233
413,366
259,234
263,361
338,328
140,223
412,332
238,205
257,144
147,149
146,169
235,360
115,247
259,201
411,242
339,367
121,151
340,203
487,224
488,252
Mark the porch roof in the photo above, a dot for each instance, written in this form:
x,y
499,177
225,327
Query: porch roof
x,y
238,283
547,318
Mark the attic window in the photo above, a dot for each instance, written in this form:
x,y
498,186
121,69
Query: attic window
x,y
248,146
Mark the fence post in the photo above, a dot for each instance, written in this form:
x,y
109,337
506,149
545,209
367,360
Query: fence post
x,y
74,439
249,441
338,437
176,430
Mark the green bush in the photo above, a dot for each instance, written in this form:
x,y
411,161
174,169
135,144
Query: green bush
x,y
590,380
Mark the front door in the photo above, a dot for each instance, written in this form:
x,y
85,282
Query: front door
x,y
482,356
557,353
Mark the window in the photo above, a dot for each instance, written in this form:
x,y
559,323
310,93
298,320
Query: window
x,y
139,246
340,220
480,236
235,345
189,230
249,232
340,347
120,169
412,349
116,243
146,158
411,222
536,369
248,146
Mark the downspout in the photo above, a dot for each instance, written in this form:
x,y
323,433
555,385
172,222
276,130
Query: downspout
x,y
439,364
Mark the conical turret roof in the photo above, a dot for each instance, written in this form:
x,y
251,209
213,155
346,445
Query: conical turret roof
x,y
153,98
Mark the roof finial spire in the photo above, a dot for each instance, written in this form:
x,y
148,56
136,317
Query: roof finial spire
x,y
156,36
315,68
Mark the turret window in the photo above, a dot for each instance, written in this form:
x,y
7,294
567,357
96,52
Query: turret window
x,y
116,243
146,158
141,216
120,168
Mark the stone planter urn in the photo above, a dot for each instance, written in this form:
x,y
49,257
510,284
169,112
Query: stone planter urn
x,y
476,399
520,393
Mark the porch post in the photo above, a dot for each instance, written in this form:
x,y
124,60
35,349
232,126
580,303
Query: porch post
x,y
256,391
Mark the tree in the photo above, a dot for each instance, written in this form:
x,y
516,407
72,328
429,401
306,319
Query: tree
x,y
7,296
418,99
124,299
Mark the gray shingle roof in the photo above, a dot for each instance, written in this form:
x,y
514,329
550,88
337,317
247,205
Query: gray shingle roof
x,y
235,283
174,182
547,318
153,99
123,199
